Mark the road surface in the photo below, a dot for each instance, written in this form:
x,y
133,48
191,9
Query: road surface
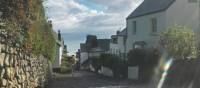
x,y
83,79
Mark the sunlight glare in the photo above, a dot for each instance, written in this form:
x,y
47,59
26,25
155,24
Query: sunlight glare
x,y
166,68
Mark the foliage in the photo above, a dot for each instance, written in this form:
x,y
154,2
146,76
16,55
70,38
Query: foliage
x,y
95,62
180,42
115,63
146,60
67,63
26,25
136,57
65,69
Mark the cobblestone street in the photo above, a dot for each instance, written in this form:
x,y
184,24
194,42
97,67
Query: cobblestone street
x,y
84,79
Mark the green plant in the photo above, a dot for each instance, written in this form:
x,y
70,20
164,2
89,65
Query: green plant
x,y
136,57
180,42
115,63
27,27
65,70
95,62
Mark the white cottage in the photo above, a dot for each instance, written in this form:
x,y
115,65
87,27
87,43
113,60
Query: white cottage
x,y
153,16
59,50
93,47
118,42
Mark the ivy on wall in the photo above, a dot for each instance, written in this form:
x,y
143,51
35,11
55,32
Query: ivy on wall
x,y
26,23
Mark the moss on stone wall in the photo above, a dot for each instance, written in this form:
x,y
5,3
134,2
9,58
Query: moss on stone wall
x,y
27,44
25,20
21,70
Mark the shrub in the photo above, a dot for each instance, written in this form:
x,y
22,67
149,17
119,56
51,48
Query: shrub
x,y
146,60
116,64
65,69
95,62
180,42
136,57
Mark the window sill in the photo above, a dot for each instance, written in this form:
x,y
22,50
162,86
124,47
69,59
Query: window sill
x,y
154,34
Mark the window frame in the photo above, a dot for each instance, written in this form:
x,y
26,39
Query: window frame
x,y
134,30
154,25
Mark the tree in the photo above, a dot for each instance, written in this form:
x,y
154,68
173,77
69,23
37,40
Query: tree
x,y
180,42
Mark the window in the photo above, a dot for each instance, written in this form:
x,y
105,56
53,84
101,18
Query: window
x,y
153,25
134,27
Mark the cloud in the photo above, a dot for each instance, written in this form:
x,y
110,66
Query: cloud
x,y
72,16
67,14
81,17
118,5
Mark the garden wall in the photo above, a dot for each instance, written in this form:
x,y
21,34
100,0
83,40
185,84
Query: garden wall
x,y
183,74
133,73
106,71
20,70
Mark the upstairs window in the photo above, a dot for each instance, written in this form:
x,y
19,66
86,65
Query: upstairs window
x,y
134,27
153,25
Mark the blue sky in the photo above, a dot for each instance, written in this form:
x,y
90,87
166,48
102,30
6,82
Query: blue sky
x,y
78,18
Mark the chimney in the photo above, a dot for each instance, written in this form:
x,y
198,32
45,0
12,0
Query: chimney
x,y
118,32
59,35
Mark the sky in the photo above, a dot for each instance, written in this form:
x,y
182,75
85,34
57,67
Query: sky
x,y
78,18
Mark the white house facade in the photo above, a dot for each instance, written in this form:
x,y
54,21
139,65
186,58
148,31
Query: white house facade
x,y
153,16
93,47
117,44
59,50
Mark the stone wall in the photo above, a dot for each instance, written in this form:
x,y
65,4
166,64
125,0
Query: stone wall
x,y
21,70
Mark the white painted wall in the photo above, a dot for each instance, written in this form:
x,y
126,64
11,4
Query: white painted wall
x,y
144,30
114,48
94,54
118,48
121,45
58,58
106,71
133,73
180,12
83,57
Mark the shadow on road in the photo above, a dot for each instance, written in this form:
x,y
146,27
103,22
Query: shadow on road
x,y
84,79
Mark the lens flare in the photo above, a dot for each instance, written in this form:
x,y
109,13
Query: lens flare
x,y
165,68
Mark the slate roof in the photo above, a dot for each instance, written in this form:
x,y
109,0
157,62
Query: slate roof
x,y
114,36
151,6
123,32
104,44
83,47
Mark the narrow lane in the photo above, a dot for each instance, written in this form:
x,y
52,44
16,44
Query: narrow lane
x,y
84,79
